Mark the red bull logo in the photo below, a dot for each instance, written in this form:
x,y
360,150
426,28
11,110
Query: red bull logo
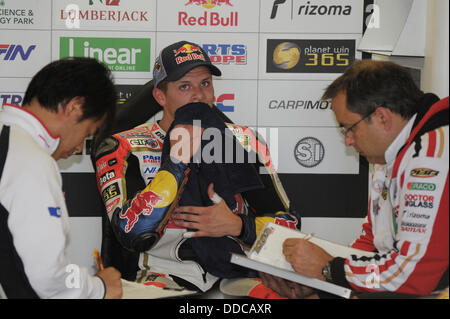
x,y
187,49
212,19
107,2
286,223
141,205
208,4
188,52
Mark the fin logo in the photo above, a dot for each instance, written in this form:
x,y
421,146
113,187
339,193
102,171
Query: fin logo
x,y
12,51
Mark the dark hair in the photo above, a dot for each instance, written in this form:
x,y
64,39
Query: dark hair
x,y
369,84
62,80
163,85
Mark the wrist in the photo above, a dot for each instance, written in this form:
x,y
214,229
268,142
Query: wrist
x,y
326,272
238,225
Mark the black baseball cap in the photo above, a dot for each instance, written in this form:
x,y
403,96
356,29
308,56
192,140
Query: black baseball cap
x,y
178,59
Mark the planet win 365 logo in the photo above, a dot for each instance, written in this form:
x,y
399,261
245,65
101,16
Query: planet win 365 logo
x,y
309,152
309,56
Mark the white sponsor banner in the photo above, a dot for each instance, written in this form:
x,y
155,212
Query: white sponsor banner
x,y
236,99
235,54
12,90
208,15
22,54
303,150
14,98
127,54
136,15
294,103
25,14
306,56
312,16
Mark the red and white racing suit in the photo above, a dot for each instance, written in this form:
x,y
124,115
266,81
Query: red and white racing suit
x,y
126,164
407,224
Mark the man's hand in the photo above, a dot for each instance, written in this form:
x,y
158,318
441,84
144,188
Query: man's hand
x,y
305,257
210,221
113,284
185,141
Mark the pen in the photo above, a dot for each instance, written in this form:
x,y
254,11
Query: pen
x,y
98,259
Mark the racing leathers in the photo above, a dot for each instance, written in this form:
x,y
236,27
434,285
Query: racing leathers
x,y
34,222
134,187
407,223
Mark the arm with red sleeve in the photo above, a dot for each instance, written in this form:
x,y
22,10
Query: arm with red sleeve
x,y
419,255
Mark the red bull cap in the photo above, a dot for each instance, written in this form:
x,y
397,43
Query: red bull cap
x,y
179,58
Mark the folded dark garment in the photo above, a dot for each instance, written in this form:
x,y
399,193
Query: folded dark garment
x,y
231,173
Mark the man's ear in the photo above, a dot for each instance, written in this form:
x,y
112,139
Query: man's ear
x,y
73,109
159,96
385,117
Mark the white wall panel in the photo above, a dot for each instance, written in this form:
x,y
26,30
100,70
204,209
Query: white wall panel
x,y
294,103
192,15
308,150
99,15
320,16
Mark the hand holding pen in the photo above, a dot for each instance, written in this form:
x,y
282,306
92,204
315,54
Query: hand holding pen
x,y
306,257
98,259
110,277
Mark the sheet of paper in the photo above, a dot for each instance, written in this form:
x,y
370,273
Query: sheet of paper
x,y
266,255
134,290
268,248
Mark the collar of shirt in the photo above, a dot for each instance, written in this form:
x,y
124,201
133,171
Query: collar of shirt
x,y
16,115
399,141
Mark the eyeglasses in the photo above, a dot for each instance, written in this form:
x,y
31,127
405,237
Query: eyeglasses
x,y
345,131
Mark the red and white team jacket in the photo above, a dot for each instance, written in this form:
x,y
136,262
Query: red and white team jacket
x,y
407,224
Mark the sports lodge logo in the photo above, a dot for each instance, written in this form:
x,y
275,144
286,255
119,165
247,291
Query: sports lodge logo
x,y
226,54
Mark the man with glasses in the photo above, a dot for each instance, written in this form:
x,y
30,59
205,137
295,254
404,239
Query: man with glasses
x,y
404,132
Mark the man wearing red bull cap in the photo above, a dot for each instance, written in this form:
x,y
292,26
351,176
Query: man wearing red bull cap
x,y
140,196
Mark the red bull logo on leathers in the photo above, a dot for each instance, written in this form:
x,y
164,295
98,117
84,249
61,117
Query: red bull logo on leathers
x,y
141,205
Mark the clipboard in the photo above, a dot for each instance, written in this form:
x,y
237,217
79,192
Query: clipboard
x,y
266,255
